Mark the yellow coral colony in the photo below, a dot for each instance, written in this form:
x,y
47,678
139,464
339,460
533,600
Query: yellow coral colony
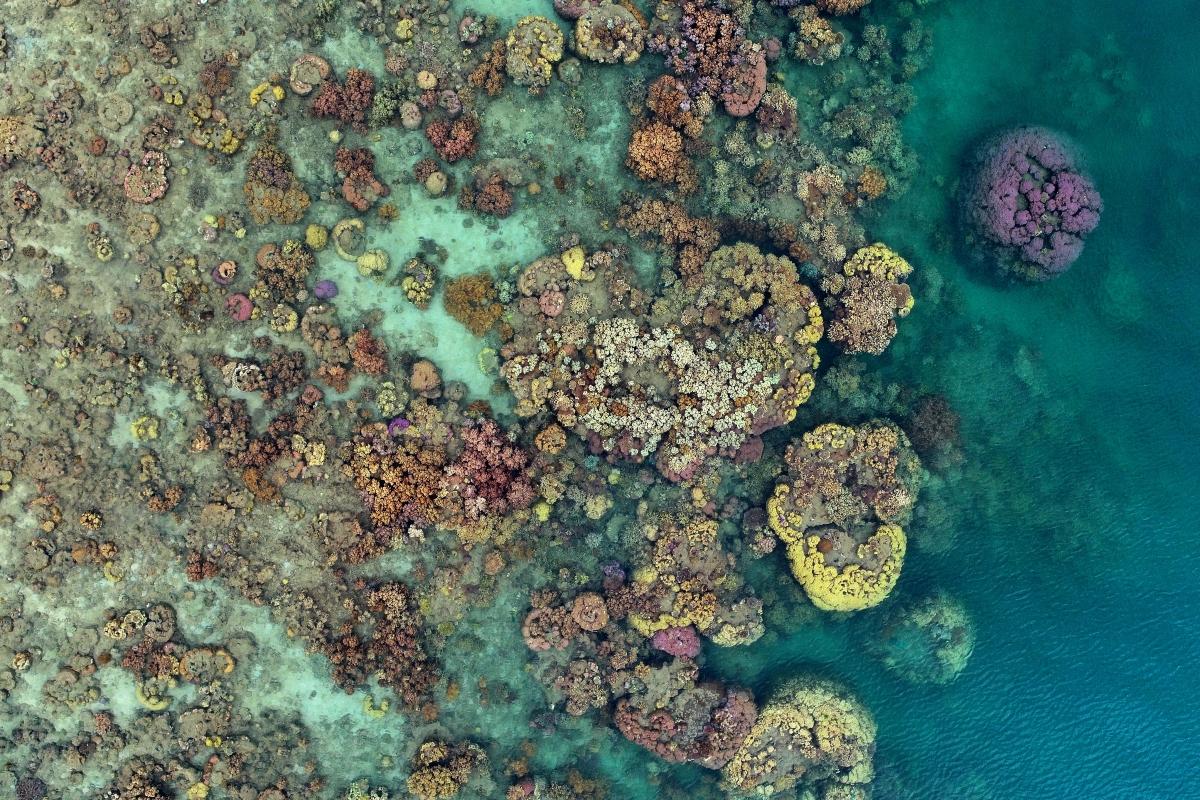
x,y
845,552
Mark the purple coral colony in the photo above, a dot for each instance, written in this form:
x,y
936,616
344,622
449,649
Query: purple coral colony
x,y
250,522
1029,204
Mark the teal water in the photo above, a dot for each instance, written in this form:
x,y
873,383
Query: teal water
x,y
1074,521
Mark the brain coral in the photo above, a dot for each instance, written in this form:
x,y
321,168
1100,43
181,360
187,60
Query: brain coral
x,y
839,509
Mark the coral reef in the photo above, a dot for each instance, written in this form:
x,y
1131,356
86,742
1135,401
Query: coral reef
x,y
694,396
266,499
929,641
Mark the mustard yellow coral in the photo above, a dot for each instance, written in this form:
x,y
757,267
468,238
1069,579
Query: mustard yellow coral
x,y
879,261
852,587
839,511
573,261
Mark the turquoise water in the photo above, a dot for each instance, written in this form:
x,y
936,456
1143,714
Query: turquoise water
x,y
1074,520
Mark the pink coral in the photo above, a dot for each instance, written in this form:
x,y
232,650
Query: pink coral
x,y
360,187
677,641
548,627
490,476
748,82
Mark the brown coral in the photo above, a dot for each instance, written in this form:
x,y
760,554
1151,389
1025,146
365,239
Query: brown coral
x,y
473,301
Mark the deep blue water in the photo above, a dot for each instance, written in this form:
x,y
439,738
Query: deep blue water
x,y
1075,519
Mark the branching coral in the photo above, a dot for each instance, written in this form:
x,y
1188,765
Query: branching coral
x,y
610,34
273,192
348,102
441,770
707,48
840,8
398,478
680,719
687,582
473,301
489,478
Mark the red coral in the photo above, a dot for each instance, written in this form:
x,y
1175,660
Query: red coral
x,y
454,140
493,197
367,353
347,102
360,187
391,647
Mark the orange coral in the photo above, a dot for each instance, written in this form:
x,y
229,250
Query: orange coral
x,y
656,154
399,479
489,74
872,183
273,193
473,301
693,238
667,98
